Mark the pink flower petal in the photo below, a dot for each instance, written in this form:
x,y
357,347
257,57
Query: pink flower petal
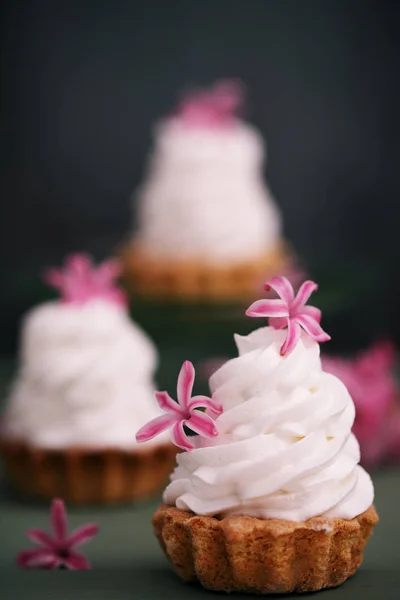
x,y
80,263
379,357
155,427
53,277
114,295
211,108
57,551
185,383
312,311
292,337
312,327
278,322
180,438
283,287
107,272
58,517
41,537
168,404
202,424
77,562
82,535
268,308
305,291
77,277
205,402
227,95
36,558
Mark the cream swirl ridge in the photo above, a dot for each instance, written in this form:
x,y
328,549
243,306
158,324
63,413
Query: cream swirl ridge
x,y
285,448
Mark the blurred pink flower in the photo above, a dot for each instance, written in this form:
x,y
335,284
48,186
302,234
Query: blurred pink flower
x,y
183,413
211,108
371,382
291,312
59,550
80,281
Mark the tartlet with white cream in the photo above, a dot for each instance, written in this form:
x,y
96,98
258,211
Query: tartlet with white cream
x,y
269,497
208,227
83,387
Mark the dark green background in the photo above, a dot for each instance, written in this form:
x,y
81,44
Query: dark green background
x,y
82,84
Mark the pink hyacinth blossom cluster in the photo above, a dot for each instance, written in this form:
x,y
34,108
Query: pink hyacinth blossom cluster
x,y
372,384
80,281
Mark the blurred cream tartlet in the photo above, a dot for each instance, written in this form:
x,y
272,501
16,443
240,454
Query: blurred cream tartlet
x,y
84,386
208,226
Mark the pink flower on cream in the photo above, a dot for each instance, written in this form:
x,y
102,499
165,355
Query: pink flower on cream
x,y
212,108
291,312
186,412
57,551
80,282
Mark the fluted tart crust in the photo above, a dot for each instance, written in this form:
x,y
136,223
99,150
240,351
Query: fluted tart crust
x,y
263,556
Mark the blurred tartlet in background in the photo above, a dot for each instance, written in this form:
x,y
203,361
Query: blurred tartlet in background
x,y
84,385
208,227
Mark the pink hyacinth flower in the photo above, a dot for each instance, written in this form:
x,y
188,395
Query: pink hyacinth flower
x,y
212,108
80,281
183,413
58,550
371,382
291,312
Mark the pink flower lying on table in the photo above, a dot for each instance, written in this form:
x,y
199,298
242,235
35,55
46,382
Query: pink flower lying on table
x,y
290,311
371,382
57,551
183,413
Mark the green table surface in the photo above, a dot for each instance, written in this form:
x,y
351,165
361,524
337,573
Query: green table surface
x,y
128,563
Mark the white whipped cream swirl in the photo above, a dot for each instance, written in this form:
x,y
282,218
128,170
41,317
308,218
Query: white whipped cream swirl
x,y
85,378
285,448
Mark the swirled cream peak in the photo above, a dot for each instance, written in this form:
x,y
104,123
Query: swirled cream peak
x,y
285,448
85,377
204,197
